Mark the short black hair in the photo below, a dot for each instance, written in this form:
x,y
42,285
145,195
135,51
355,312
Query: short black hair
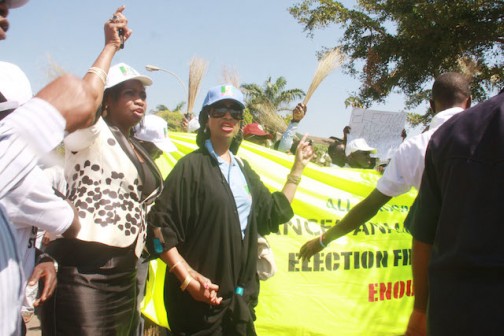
x,y
451,88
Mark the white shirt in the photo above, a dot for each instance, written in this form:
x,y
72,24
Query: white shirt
x,y
11,279
406,167
34,128
27,195
30,205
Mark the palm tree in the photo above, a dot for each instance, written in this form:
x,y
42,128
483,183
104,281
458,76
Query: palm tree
x,y
264,102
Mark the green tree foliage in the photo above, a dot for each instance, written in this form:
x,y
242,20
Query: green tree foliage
x,y
161,107
174,120
173,117
272,93
401,45
266,101
179,107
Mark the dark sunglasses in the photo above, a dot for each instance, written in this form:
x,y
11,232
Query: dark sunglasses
x,y
220,112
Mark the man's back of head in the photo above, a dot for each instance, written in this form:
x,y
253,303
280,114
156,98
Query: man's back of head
x,y
450,89
336,152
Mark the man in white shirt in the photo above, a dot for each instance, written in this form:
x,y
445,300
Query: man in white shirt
x,y
35,128
32,203
450,95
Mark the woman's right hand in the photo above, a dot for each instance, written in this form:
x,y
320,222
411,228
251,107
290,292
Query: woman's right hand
x,y
304,154
112,27
202,289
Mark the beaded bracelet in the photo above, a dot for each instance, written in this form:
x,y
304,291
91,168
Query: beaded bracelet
x,y
293,179
321,241
186,283
100,73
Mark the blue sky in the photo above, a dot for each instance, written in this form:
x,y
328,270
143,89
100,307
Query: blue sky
x,y
257,39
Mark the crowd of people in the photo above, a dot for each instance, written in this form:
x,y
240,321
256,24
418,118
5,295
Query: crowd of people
x,y
110,210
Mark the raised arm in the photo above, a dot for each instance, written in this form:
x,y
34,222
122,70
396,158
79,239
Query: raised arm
x,y
304,153
78,99
287,137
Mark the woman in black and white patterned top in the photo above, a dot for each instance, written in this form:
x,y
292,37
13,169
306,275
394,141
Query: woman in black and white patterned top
x,y
111,180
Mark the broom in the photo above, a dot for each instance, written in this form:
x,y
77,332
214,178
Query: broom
x,y
197,69
330,61
231,76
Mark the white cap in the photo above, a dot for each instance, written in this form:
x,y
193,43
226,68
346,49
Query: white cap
x,y
15,3
14,86
154,129
122,72
193,125
358,144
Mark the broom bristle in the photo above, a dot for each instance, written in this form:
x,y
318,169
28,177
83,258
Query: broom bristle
x,y
330,61
231,76
54,70
270,119
197,70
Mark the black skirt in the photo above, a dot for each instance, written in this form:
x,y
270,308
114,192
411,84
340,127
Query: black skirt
x,y
96,291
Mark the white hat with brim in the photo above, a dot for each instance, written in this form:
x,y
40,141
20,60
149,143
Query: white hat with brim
x,y
123,72
358,144
165,145
193,125
15,3
154,129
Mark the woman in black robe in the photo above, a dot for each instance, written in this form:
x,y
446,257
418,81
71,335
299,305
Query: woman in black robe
x,y
208,219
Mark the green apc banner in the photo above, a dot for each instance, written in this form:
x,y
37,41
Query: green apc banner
x,y
361,284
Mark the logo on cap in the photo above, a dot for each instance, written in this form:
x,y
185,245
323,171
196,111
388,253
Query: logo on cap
x,y
226,90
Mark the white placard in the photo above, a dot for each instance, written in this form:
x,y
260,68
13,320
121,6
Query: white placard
x,y
380,129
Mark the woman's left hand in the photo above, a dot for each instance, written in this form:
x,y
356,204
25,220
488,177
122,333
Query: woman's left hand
x,y
304,153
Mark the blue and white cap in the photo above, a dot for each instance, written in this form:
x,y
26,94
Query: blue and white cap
x,y
224,92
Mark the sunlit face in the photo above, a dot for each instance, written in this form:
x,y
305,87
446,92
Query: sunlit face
x,y
128,108
4,23
299,112
224,119
360,159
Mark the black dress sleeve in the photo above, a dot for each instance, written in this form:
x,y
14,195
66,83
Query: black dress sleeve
x,y
270,209
172,209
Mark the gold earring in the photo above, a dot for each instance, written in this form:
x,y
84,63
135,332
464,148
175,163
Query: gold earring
x,y
105,112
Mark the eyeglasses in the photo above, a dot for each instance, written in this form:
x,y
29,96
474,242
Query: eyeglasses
x,y
220,112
